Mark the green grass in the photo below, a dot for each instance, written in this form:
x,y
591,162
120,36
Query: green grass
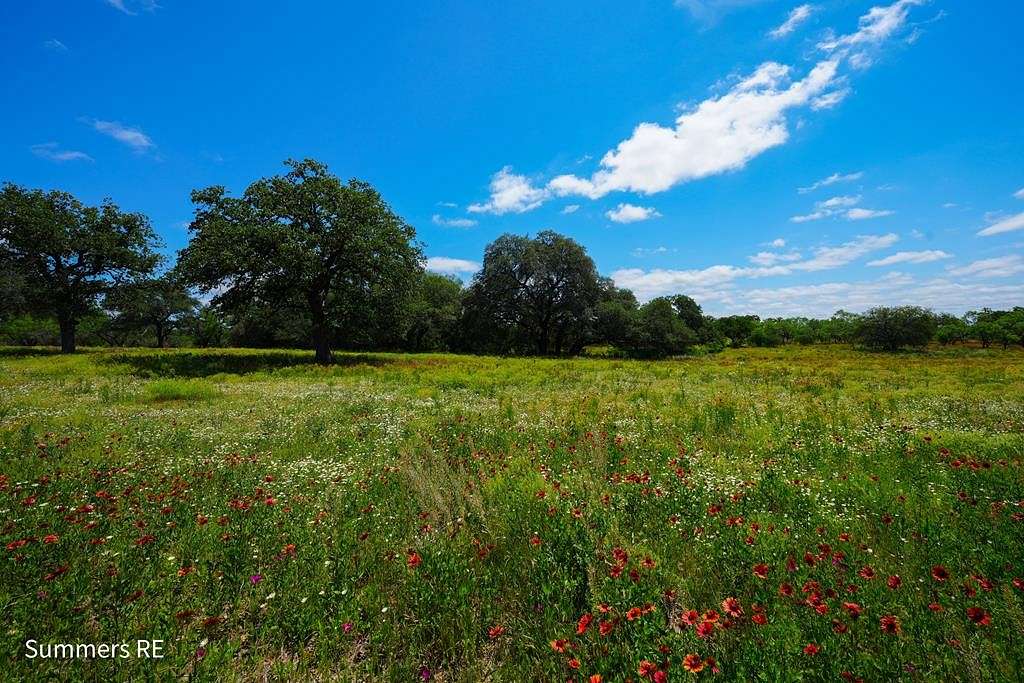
x,y
263,515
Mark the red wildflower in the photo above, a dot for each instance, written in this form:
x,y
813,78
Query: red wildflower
x,y
605,627
890,623
559,645
761,570
413,560
811,649
495,632
693,663
145,540
646,668
583,623
979,616
690,617
634,613
939,573
732,607
705,629
595,678
853,609
51,538
894,581
785,590
867,572
760,619
574,663
535,541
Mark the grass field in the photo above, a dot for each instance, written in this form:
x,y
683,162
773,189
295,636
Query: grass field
x,y
802,513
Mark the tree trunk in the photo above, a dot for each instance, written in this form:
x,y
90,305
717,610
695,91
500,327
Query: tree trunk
x,y
160,337
322,344
67,333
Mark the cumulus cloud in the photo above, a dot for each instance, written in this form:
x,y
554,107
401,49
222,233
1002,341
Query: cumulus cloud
x,y
1006,225
511,193
571,208
631,213
719,135
53,152
911,257
777,243
438,219
796,17
865,214
451,266
828,207
1001,266
832,180
133,137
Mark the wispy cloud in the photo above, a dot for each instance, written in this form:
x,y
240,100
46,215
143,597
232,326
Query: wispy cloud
x,y
640,252
571,208
133,7
651,283
1006,225
832,180
55,45
451,266
438,219
1002,266
799,15
828,207
631,213
133,137
1019,194
867,214
911,257
770,258
874,28
53,152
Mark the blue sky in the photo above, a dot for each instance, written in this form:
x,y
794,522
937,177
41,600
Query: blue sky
x,y
764,156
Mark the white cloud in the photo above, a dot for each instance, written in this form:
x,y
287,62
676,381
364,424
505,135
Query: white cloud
x,y
949,205
770,258
1002,266
709,11
719,135
799,15
451,266
878,25
133,137
865,214
55,45
829,100
53,152
571,208
1019,194
630,213
911,257
648,284
129,6
511,193
649,251
777,243
1006,225
828,207
437,219
448,205
832,180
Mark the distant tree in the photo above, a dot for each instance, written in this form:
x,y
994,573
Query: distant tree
x,y
891,329
303,241
660,331
951,331
159,303
206,328
615,316
12,286
538,293
737,328
767,333
67,254
433,313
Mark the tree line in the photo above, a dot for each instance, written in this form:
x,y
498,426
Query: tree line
x,y
304,259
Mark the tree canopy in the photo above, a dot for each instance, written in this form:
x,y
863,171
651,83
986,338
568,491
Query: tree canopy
x,y
303,240
65,255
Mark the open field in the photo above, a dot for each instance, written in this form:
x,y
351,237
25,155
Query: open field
x,y
791,513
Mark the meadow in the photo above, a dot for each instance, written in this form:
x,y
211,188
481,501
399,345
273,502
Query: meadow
x,y
803,513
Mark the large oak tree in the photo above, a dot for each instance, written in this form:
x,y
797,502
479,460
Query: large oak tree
x,y
304,241
66,255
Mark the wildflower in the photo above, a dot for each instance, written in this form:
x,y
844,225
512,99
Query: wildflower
x,y
605,627
559,645
894,581
853,609
890,623
760,619
495,631
693,663
646,669
979,616
535,541
867,572
583,623
732,607
811,649
633,614
255,578
51,538
705,629
761,570
595,678
574,663
413,560
939,573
